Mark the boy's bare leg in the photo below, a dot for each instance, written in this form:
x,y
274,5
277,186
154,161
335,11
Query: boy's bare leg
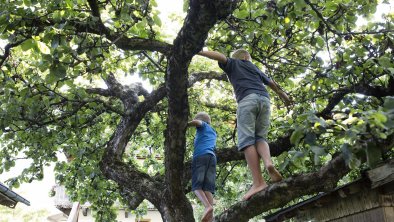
x,y
205,201
210,199
253,160
264,151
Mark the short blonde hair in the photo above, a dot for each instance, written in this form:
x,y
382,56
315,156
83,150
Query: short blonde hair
x,y
240,54
203,116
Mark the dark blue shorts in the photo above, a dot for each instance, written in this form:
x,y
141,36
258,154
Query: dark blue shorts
x,y
204,173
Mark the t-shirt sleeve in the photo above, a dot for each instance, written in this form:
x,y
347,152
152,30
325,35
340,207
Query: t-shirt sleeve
x,y
203,125
264,78
228,66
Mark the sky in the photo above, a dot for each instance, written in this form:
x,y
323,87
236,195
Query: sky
x,y
380,10
37,191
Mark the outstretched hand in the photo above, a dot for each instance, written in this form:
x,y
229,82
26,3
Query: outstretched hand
x,y
289,103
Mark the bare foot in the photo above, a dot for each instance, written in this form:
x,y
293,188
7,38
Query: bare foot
x,y
274,174
208,215
253,190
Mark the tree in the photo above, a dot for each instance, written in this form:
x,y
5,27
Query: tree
x,y
339,75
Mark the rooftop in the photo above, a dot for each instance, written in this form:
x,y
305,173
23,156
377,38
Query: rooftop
x,y
9,198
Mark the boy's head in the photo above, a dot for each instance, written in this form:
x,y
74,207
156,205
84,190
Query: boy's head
x,y
203,116
241,54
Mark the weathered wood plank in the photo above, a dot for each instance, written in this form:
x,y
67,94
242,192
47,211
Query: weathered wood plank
x,y
388,214
382,174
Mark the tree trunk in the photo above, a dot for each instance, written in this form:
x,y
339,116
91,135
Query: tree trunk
x,y
180,211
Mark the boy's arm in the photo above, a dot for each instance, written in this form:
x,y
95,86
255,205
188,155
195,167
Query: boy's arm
x,y
280,92
214,56
195,122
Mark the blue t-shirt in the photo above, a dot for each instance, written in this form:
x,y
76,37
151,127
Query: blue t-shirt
x,y
245,77
205,140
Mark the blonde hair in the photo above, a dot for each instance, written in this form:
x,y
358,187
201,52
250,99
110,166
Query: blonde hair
x,y
203,116
240,54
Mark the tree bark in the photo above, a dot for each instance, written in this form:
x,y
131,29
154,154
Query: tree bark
x,y
201,17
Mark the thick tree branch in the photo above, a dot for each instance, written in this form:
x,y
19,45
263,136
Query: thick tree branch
x,y
134,199
333,101
199,76
121,40
95,26
279,194
132,180
362,88
93,4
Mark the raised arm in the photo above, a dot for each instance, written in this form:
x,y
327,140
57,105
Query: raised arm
x,y
272,84
195,122
214,55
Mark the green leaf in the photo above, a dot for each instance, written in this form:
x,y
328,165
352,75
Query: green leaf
x,y
58,15
391,71
310,138
346,152
320,42
296,136
28,44
243,13
354,163
43,48
389,103
56,73
318,152
157,20
297,158
374,155
299,4
385,62
55,42
378,119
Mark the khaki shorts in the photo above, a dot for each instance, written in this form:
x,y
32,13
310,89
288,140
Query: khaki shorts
x,y
253,120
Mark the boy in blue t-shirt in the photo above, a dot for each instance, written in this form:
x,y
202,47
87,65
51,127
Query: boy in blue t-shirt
x,y
204,163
